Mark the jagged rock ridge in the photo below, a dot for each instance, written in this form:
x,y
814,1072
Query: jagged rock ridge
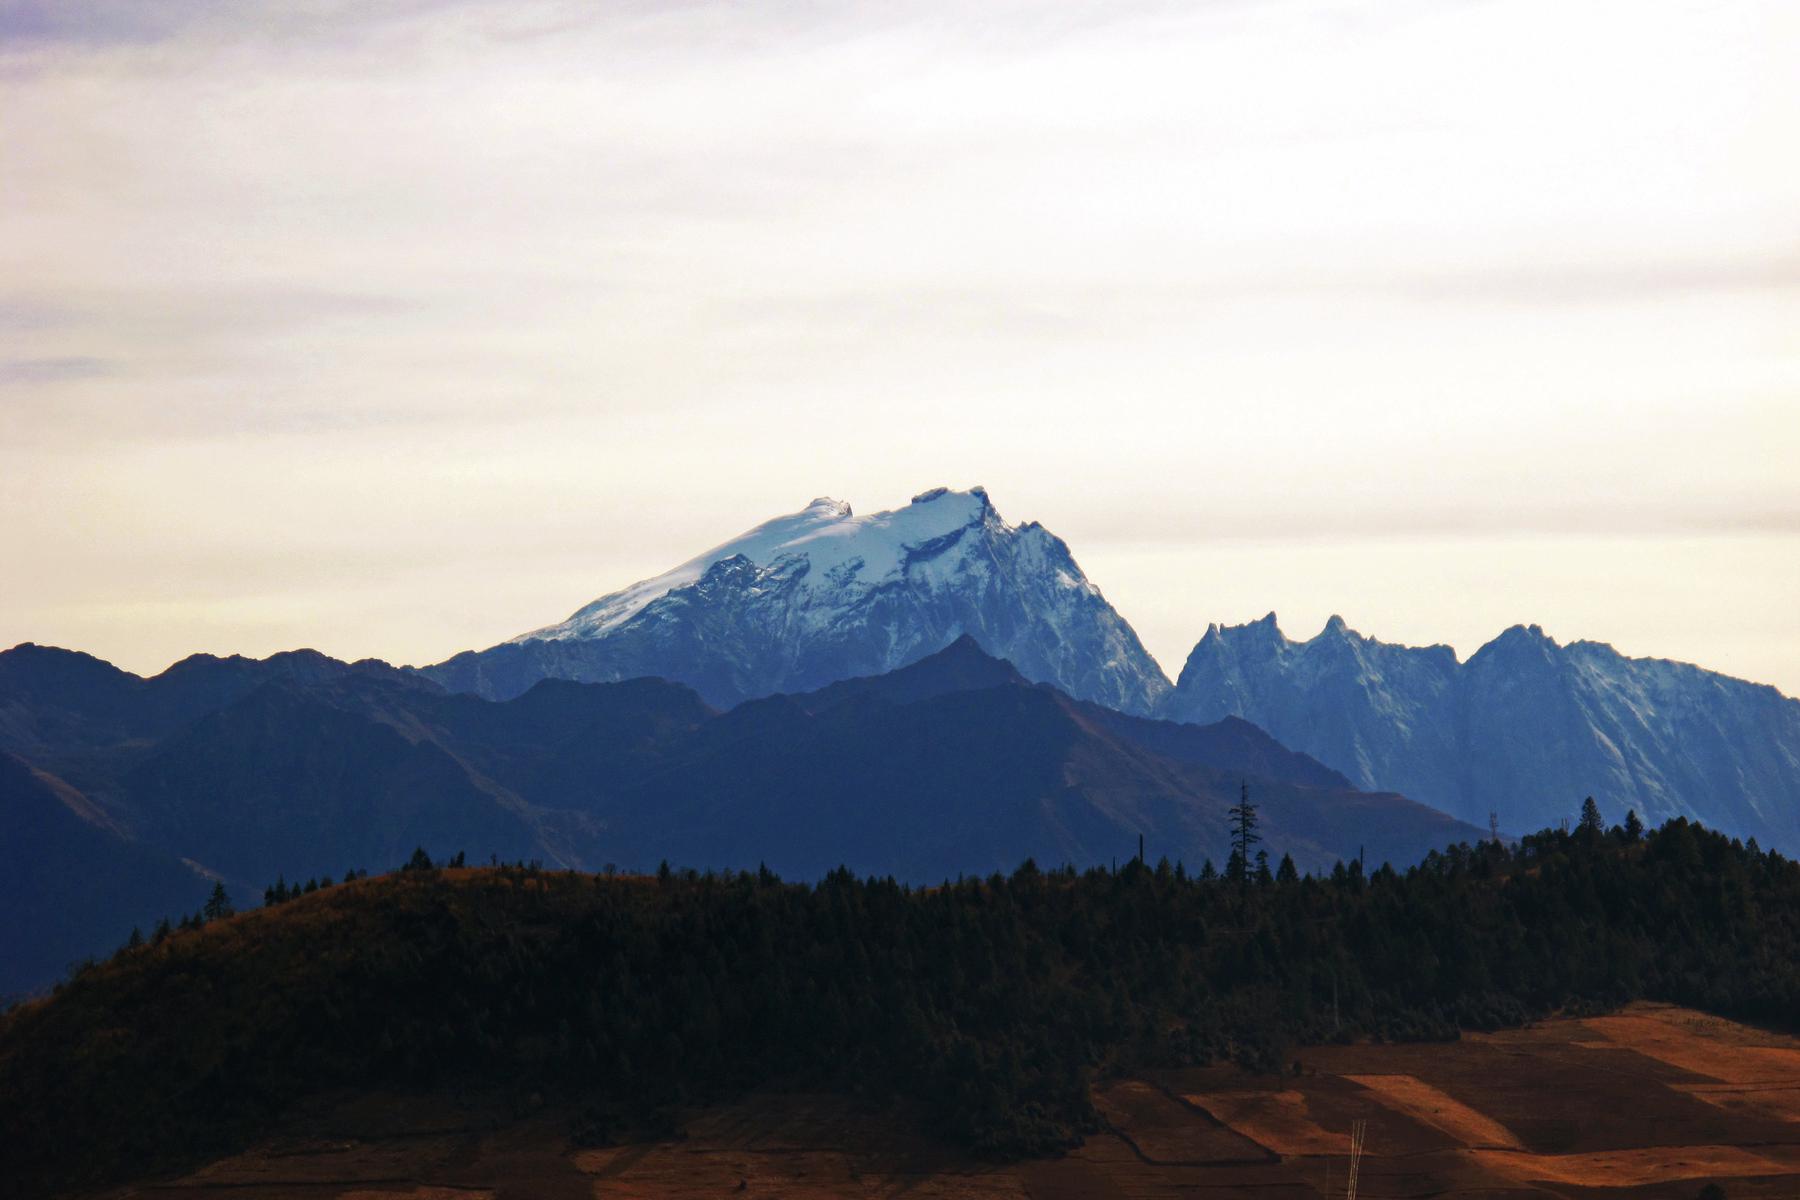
x,y
1525,728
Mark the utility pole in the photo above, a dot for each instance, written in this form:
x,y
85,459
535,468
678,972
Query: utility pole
x,y
1494,826
1140,849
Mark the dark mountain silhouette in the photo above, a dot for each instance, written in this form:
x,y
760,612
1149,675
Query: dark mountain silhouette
x,y
71,882
299,766
285,775
962,666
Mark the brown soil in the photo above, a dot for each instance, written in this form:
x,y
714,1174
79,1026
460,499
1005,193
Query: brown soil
x,y
1645,1105
1282,1121
1628,1168
1418,1099
1706,1046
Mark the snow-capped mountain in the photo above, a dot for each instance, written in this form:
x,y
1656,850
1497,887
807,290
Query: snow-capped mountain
x,y
1525,728
824,594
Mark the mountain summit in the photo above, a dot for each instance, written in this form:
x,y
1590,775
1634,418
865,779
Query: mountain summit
x,y
1524,728
823,594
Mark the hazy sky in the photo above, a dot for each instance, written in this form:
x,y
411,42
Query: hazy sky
x,y
399,328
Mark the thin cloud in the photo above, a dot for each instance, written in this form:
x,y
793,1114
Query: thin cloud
x,y
53,370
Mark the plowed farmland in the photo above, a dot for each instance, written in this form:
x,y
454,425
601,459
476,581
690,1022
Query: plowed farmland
x,y
1650,1104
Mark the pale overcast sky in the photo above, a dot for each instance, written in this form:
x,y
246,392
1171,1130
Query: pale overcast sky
x,y
399,328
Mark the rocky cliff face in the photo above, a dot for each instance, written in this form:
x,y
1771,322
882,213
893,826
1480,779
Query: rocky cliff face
x,y
1525,728
823,594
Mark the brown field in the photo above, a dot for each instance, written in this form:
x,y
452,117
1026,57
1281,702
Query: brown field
x,y
1646,1105
1281,1122
1418,1099
1629,1168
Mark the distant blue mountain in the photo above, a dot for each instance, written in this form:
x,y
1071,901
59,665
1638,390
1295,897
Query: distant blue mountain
x,y
1525,728
300,766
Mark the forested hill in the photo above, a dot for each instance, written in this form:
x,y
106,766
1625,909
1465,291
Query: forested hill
x,y
984,1007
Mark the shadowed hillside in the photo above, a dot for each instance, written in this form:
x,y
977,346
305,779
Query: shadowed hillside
x,y
985,1009
299,765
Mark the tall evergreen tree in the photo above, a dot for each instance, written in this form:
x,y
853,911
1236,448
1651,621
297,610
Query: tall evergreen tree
x,y
1243,835
1591,824
218,904
1634,828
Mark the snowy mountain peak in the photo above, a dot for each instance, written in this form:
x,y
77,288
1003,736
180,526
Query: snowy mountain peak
x,y
840,548
824,594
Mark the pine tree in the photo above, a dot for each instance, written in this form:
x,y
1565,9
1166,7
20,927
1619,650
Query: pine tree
x,y
1634,828
218,904
1243,835
1286,872
420,861
135,940
1235,870
1591,824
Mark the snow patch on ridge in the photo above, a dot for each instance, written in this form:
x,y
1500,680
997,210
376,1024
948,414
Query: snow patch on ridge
x,y
843,553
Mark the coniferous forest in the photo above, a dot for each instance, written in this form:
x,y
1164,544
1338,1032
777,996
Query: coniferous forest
x,y
981,1008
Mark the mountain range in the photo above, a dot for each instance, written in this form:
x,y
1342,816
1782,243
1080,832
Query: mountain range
x,y
924,692
134,795
1524,730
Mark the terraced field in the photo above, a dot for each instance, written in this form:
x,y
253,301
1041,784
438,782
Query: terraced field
x,y
1650,1104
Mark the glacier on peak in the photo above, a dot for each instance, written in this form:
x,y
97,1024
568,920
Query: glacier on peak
x,y
823,594
841,550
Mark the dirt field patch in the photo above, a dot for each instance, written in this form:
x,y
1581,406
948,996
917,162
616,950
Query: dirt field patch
x,y
1280,1121
1779,1102
1421,1101
1706,1046
1630,1168
1164,1130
